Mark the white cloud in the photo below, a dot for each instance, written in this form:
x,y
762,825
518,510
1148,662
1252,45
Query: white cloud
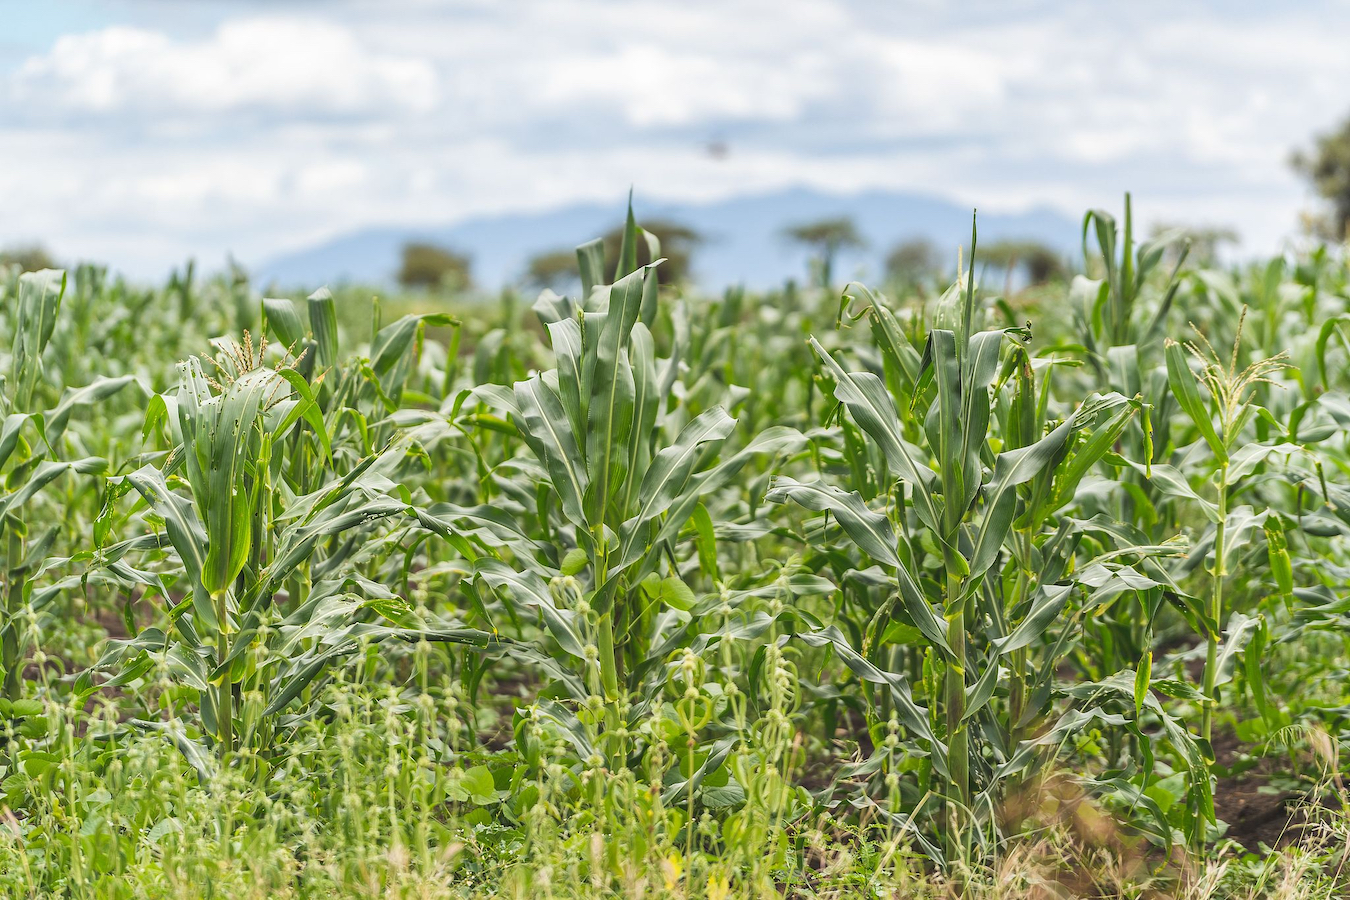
x,y
284,66
142,145
652,85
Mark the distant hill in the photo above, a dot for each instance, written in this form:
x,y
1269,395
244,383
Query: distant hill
x,y
744,242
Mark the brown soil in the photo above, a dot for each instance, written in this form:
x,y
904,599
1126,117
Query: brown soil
x,y
1256,814
109,616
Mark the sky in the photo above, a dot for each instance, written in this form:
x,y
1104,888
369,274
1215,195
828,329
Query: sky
x,y
141,132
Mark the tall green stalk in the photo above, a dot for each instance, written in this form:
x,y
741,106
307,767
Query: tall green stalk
x,y
225,689
9,636
1215,607
958,739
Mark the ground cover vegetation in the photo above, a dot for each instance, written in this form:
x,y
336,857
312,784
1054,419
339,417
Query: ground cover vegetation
x,y
918,589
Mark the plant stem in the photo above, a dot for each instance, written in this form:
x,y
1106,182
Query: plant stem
x,y
1215,609
1017,690
1017,695
958,748
224,691
689,837
9,636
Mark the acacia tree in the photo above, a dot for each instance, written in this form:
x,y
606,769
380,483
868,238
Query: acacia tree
x,y
673,242
552,269
29,258
825,238
429,266
912,261
1327,167
676,243
1039,262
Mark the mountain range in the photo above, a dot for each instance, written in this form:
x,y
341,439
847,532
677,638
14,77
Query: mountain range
x,y
743,241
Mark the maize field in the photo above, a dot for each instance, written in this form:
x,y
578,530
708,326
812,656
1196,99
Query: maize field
x,y
642,593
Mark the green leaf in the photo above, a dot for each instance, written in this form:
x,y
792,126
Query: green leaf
x,y
45,473
890,337
1141,681
1240,630
591,263
871,531
97,390
979,694
531,591
323,325
478,783
575,560
40,296
22,708
646,409
1048,603
1186,390
544,425
911,715
874,411
565,336
667,480
672,591
1171,481
221,441
283,319
945,430
609,415
627,244
1014,467
393,350
185,532
706,542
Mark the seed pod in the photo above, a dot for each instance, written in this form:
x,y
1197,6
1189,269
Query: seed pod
x,y
609,675
1281,568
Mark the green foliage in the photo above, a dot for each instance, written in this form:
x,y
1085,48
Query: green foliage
x,y
781,595
1035,261
553,270
825,238
426,266
913,262
1327,167
673,242
29,258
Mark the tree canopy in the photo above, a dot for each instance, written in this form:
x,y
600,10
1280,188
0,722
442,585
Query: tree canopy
x,y
1327,168
825,238
557,269
678,242
1037,261
430,266
913,261
29,258
552,269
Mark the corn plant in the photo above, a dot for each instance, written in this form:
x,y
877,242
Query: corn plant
x,y
33,468
976,507
243,538
1240,447
621,469
1124,308
643,592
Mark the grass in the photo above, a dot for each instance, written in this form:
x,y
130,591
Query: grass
x,y
820,593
